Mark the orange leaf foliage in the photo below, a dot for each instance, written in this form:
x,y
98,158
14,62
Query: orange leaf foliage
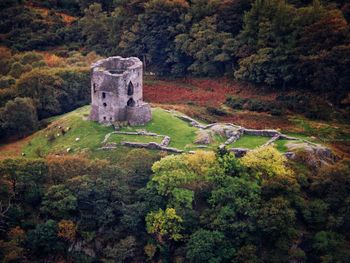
x,y
67,230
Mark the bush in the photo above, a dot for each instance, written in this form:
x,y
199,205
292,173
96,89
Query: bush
x,y
6,82
17,69
31,57
18,118
235,103
216,111
255,105
56,91
302,104
6,95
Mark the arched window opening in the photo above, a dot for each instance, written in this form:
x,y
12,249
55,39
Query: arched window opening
x,y
103,95
130,89
94,87
104,118
110,118
131,102
104,104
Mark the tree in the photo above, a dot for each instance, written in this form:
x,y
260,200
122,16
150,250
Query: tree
x,y
43,88
234,205
209,246
13,250
125,249
18,118
43,240
330,247
332,186
59,202
179,177
17,69
207,46
23,179
265,44
152,37
266,162
95,28
276,219
164,225
268,66
67,230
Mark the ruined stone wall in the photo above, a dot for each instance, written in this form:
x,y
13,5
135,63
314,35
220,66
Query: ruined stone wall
x,y
116,89
138,115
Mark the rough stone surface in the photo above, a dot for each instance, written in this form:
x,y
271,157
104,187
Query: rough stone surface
x,y
268,133
314,155
151,145
165,141
116,92
203,137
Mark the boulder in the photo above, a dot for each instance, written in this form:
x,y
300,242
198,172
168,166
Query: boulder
x,y
314,155
203,137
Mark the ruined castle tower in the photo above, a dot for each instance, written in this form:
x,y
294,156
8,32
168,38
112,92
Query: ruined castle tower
x,y
116,92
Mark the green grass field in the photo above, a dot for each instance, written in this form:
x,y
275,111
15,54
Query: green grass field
x,y
63,131
118,138
249,141
164,123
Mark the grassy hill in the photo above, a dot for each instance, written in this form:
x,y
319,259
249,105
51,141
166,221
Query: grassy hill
x,y
74,133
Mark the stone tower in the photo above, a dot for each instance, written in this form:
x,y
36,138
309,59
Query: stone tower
x,y
116,92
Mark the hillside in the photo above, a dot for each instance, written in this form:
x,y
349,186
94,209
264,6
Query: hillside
x,y
73,133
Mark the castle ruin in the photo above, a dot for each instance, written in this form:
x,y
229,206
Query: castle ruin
x,y
116,92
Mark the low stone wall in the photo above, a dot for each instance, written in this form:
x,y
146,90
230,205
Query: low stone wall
x,y
267,133
272,140
165,142
141,133
152,146
231,131
234,137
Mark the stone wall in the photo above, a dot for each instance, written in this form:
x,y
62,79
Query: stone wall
x,y
138,115
116,86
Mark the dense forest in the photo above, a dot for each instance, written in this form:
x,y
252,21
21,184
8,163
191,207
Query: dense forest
x,y
150,206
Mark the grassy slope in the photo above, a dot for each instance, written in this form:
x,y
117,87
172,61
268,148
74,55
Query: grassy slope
x,y
91,134
250,141
182,135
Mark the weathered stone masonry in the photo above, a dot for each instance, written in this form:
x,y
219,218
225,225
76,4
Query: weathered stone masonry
x,y
116,92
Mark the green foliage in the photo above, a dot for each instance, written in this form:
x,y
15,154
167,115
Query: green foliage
x,y
209,246
125,249
165,225
43,240
94,27
41,86
59,202
27,29
266,162
55,91
31,57
330,247
17,69
178,177
18,118
234,207
207,47
276,219
6,82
